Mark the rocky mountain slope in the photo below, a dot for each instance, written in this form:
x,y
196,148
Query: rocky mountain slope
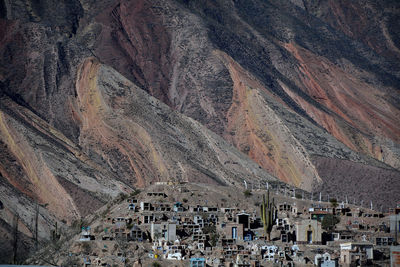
x,y
100,97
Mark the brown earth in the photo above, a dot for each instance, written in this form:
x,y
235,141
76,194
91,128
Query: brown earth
x,y
305,92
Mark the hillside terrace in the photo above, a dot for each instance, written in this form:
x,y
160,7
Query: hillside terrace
x,y
166,225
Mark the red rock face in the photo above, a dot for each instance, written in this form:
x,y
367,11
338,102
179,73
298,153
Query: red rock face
x,y
259,132
135,41
288,91
359,104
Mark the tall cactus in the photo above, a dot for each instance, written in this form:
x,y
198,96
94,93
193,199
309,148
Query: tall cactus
x,y
267,215
55,234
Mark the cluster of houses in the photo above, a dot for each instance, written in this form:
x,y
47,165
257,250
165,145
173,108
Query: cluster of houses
x,y
228,236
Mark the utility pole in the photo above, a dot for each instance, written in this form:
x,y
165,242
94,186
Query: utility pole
x,y
15,235
396,222
36,224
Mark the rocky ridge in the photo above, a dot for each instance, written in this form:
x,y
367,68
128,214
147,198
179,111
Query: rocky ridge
x,y
305,96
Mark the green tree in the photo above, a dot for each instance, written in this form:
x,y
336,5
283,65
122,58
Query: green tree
x,y
329,222
334,202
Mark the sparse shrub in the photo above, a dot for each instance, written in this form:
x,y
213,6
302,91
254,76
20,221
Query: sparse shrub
x,y
156,264
98,229
78,224
213,239
209,229
299,196
135,193
121,197
184,200
86,248
247,193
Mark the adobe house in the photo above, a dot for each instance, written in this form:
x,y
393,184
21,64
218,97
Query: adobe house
x,y
162,207
342,236
196,208
234,231
164,230
284,207
147,218
212,209
356,253
308,232
384,241
228,210
136,234
146,206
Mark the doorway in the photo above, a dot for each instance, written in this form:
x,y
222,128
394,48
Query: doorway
x,y
309,237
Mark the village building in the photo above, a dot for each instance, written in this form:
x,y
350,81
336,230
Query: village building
x,y
164,230
197,262
178,207
136,234
384,241
395,226
308,232
324,260
229,236
234,231
86,234
358,253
